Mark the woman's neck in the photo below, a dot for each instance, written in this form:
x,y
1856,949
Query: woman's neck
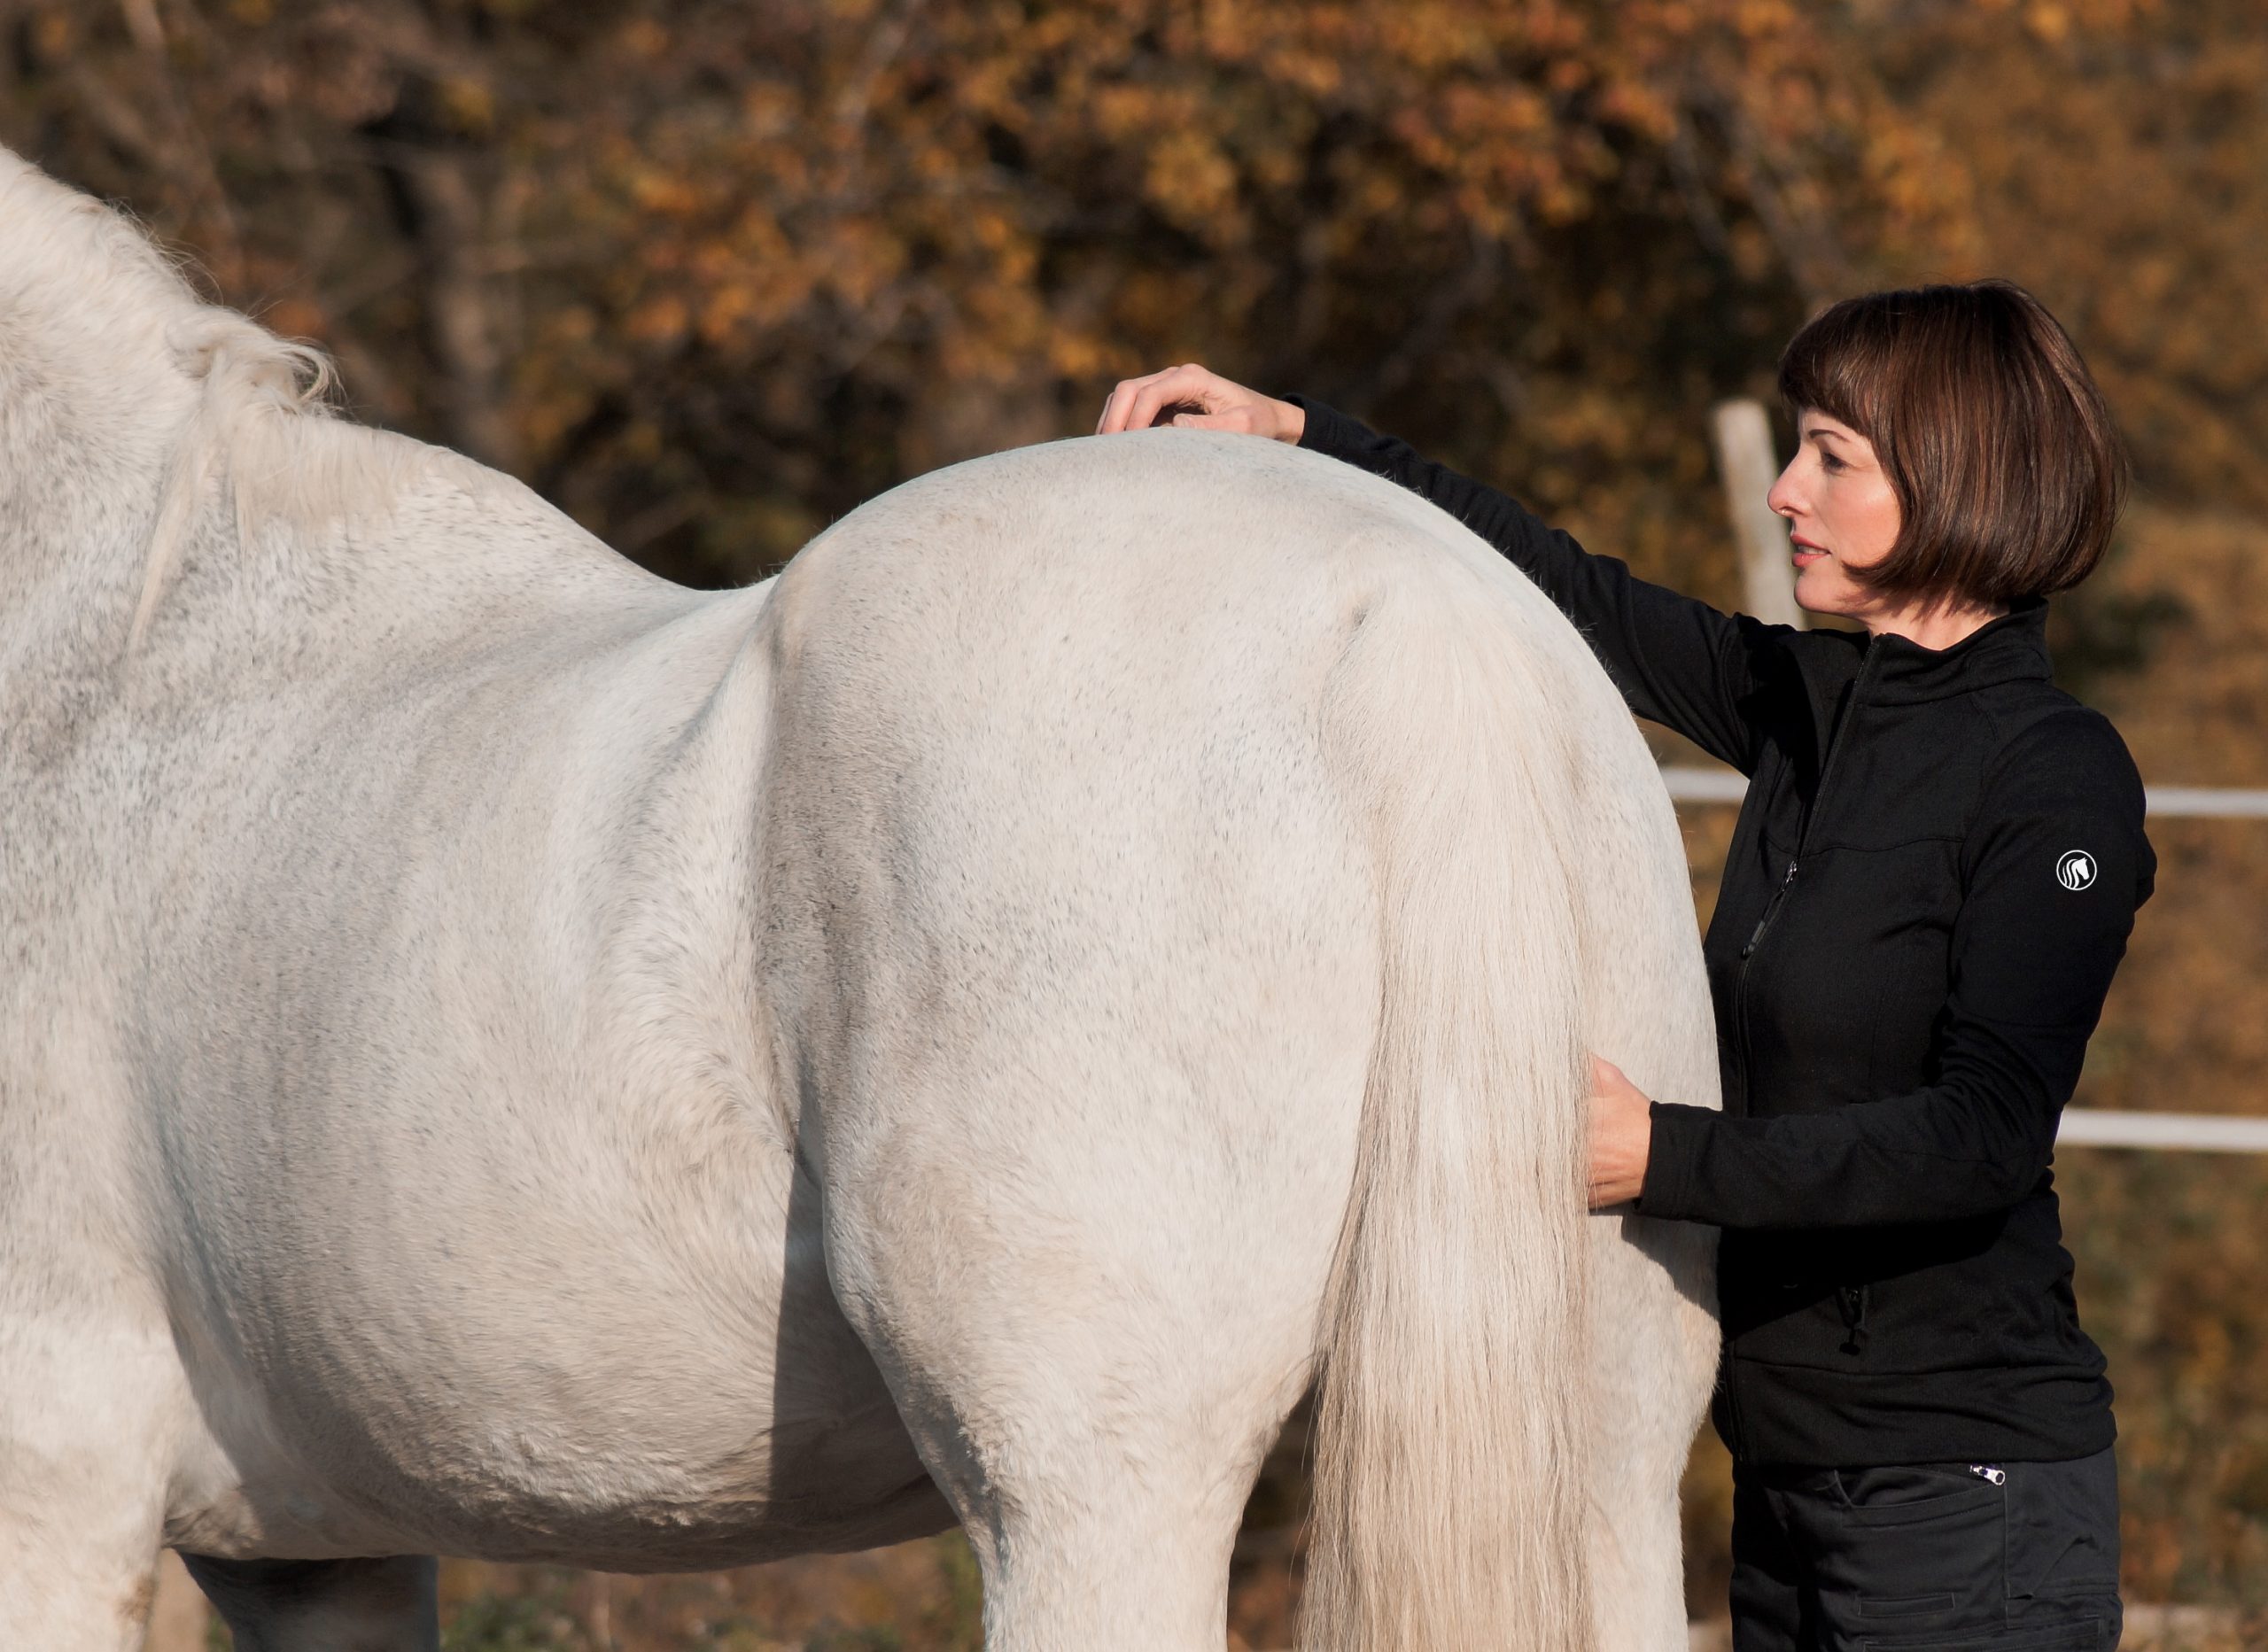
x,y
1934,623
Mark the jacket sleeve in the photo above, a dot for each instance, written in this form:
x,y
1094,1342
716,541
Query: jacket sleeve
x,y
2054,869
1677,661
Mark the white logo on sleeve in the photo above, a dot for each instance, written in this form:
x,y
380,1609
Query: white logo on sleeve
x,y
2075,870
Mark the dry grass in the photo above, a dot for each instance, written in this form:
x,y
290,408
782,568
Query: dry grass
x,y
915,1597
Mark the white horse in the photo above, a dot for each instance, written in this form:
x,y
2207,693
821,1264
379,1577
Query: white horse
x,y
501,1055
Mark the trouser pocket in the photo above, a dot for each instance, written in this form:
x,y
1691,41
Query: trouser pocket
x,y
1912,1550
1946,1558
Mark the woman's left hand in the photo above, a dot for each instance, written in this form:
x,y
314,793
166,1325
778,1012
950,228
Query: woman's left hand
x,y
1622,1133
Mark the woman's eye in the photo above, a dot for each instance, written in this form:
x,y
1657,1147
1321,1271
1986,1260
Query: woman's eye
x,y
1829,461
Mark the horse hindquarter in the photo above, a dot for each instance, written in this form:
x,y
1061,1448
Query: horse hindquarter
x,y
1079,973
1095,874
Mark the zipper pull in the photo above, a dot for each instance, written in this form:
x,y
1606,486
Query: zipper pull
x,y
1756,934
1991,1471
1854,1302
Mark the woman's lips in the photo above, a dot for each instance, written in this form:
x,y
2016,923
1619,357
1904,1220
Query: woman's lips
x,y
1805,558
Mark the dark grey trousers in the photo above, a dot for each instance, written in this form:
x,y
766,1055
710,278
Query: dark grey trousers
x,y
1927,1557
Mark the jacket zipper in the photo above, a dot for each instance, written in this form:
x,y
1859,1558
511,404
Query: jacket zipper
x,y
1838,738
1763,923
1852,1300
1837,743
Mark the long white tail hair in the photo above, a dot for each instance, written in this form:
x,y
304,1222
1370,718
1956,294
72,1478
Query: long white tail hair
x,y
1450,1495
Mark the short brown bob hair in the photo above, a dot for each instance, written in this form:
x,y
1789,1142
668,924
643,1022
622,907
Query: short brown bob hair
x,y
2008,471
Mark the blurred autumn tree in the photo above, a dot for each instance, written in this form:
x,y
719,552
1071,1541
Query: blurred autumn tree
x,y
711,273
2123,149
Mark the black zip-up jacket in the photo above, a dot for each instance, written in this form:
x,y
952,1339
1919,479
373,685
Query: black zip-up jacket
x,y
1932,879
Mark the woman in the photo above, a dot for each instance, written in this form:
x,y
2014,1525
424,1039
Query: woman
x,y
1932,879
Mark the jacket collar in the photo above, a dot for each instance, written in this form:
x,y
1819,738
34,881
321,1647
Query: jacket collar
x,y
2011,648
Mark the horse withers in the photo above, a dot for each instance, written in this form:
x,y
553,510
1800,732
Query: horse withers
x,y
501,1055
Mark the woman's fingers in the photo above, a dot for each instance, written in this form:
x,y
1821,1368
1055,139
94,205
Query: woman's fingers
x,y
1620,1134
1197,400
1137,402
1189,383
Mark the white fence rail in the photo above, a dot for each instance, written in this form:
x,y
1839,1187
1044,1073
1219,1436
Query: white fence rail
x,y
2191,1132
2206,803
2196,803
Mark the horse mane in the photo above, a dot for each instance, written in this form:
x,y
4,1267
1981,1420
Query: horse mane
x,y
264,434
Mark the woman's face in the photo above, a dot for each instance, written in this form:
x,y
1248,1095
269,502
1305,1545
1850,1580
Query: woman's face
x,y
1842,515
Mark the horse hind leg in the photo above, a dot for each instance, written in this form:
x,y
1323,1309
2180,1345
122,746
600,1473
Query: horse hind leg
x,y
1096,1419
1108,1544
386,1605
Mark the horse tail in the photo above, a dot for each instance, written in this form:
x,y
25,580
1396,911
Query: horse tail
x,y
1450,1496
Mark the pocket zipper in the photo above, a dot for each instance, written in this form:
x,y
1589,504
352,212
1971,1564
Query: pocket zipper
x,y
1992,1471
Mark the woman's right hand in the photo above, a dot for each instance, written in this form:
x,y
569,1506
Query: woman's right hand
x,y
1217,404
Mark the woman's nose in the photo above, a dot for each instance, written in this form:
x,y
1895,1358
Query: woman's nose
x,y
1782,498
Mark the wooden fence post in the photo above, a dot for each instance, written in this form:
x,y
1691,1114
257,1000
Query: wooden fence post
x,y
1748,465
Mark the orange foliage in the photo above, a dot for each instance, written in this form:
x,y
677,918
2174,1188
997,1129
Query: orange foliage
x,y
713,273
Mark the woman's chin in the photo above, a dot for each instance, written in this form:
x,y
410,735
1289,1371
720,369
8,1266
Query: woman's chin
x,y
1817,592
